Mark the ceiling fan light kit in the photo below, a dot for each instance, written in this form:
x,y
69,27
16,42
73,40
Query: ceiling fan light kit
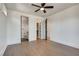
x,y
42,7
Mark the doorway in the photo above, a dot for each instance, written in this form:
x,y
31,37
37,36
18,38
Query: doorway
x,y
38,30
24,28
46,29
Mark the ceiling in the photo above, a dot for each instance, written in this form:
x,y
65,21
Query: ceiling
x,y
29,9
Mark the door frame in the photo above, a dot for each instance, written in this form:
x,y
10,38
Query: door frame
x,y
21,27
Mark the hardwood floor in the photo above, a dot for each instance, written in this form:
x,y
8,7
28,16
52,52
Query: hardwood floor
x,y
40,48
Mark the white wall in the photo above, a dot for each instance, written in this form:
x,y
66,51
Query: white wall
x,y
3,44
32,29
43,28
14,29
63,27
2,33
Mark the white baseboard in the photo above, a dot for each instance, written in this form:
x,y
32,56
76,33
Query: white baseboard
x,y
65,44
3,50
11,43
14,43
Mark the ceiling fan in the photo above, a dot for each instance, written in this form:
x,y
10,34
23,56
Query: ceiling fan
x,y
42,7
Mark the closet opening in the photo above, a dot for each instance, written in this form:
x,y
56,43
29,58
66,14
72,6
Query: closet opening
x,y
24,28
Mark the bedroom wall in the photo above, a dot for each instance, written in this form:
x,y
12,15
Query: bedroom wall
x,y
43,28
14,29
63,27
3,41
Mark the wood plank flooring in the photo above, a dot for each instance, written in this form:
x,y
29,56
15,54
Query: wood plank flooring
x,y
40,48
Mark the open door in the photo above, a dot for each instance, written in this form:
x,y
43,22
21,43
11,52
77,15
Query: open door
x,y
24,28
38,31
46,29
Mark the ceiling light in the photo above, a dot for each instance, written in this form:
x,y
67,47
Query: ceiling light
x,y
41,8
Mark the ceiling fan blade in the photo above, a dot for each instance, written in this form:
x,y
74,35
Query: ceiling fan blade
x,y
42,4
49,7
44,11
37,10
35,5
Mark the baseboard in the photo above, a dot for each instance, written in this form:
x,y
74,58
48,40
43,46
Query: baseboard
x,y
14,43
65,44
3,50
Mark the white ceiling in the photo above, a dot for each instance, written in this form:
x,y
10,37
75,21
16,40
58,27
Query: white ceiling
x,y
29,9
